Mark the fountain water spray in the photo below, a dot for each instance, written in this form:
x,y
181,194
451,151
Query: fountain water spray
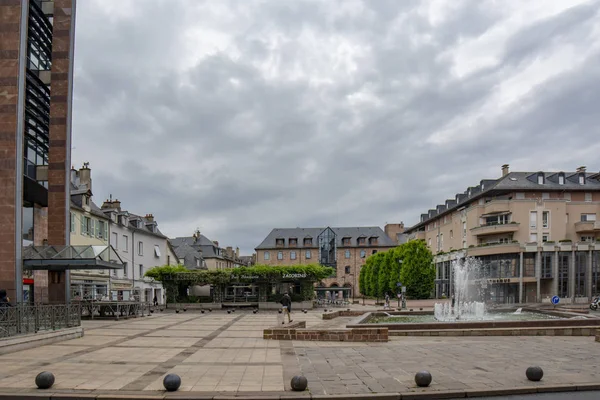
x,y
468,304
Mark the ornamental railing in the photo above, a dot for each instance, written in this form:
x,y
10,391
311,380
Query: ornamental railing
x,y
27,319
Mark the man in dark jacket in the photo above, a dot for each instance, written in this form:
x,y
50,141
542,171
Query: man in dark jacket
x,y
286,302
4,301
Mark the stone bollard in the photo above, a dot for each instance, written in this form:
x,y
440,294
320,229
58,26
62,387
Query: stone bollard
x,y
172,382
299,383
44,380
423,378
202,311
534,374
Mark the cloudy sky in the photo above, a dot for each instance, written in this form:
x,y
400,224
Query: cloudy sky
x,y
240,116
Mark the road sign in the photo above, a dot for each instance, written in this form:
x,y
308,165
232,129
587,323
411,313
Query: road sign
x,y
555,300
403,289
398,284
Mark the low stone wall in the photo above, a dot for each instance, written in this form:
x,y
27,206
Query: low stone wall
x,y
342,313
192,306
299,332
23,342
598,335
555,331
296,306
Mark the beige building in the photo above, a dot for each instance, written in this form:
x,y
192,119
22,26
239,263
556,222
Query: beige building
x,y
345,249
89,227
535,233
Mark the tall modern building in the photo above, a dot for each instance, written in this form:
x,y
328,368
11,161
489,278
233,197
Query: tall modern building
x,y
536,234
36,83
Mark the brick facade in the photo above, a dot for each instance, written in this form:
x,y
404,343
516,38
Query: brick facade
x,y
40,235
298,331
10,27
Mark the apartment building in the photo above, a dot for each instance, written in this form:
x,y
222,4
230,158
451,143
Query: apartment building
x,y
535,233
199,252
141,246
36,52
345,249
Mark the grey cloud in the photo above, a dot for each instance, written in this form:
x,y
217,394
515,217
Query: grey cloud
x,y
229,146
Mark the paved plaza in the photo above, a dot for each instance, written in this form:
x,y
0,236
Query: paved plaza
x,y
220,352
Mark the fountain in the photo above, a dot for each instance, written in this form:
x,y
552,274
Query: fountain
x,y
519,310
466,304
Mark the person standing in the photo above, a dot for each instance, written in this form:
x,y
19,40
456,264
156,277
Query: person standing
x,y
387,301
4,300
286,302
155,301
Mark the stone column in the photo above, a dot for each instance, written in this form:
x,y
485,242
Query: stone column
x,y
555,274
59,158
588,276
521,277
538,276
40,235
572,277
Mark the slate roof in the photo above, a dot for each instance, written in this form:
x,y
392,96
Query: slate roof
x,y
353,233
204,243
514,181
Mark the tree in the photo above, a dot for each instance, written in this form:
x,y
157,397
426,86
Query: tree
x,y
361,280
383,279
417,272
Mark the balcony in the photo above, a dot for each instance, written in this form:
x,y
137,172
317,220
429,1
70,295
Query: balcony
x,y
493,229
587,226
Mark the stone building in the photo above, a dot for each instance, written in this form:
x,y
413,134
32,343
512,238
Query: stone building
x,y
345,249
536,234
35,141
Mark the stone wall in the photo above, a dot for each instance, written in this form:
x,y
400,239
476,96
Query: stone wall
x,y
556,331
342,313
299,332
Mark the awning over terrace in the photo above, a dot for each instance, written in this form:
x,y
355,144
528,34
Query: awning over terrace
x,y
61,258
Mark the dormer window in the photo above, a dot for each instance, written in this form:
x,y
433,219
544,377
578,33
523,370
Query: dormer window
x,y
361,241
280,242
293,242
540,179
582,179
372,241
561,179
346,241
307,241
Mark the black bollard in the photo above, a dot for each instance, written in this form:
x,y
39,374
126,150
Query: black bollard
x,y
423,378
534,374
299,383
172,382
44,380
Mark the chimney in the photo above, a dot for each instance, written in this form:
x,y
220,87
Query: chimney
x,y
73,176
229,251
149,217
216,243
505,170
116,204
85,176
581,169
237,252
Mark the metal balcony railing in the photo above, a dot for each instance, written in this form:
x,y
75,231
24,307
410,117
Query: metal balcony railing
x,y
26,319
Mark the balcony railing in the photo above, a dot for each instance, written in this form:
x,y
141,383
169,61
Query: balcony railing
x,y
587,226
490,229
27,319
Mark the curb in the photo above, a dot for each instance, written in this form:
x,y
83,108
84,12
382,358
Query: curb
x,y
423,395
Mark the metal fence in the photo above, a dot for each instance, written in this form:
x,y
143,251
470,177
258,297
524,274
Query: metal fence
x,y
25,319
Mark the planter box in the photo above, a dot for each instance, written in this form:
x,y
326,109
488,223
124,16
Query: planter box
x,y
566,246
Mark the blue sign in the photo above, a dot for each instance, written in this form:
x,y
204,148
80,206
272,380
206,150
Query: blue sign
x,y
555,299
398,284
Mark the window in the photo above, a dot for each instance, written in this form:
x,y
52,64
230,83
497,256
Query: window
x,y
125,243
540,179
156,251
308,241
588,239
141,271
581,179
464,229
520,196
307,254
347,254
140,248
114,272
374,252
441,241
451,234
279,242
292,255
533,219
373,241
346,241
501,219
125,269
363,254
533,238
85,226
588,197
445,218
115,240
101,229
280,255
72,223
588,217
361,241
545,238
347,270
546,219
293,242
561,179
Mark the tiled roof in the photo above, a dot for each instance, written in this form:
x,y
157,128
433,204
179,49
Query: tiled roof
x,y
300,233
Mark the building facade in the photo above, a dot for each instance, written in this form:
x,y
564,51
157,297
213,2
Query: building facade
x,y
89,227
199,252
36,52
345,249
141,246
535,233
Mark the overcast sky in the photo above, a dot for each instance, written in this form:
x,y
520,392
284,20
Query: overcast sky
x,y
241,116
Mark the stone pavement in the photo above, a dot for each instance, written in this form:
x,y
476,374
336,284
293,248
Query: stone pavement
x,y
220,352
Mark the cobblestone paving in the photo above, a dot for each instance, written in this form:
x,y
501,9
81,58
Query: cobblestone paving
x,y
221,352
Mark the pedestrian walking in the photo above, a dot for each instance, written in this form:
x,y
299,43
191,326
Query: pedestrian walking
x,y
286,303
155,301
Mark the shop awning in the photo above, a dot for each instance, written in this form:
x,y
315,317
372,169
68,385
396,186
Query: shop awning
x,y
61,258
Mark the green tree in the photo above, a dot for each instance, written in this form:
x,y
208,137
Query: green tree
x,y
417,272
384,273
361,280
